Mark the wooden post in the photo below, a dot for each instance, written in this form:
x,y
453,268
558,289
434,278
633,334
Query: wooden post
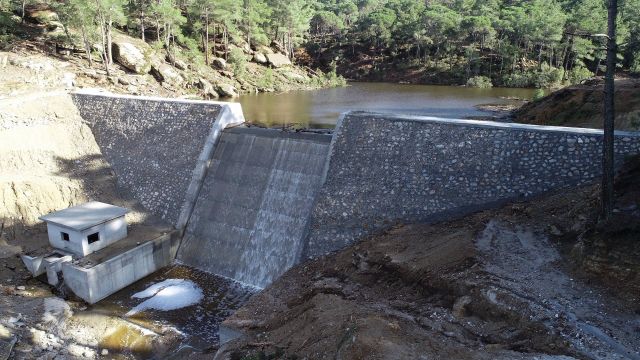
x,y
609,114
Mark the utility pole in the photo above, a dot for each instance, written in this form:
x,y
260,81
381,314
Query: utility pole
x,y
609,113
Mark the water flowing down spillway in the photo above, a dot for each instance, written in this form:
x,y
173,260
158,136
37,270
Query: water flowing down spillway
x,y
252,212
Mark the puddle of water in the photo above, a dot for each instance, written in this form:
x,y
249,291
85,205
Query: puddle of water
x,y
198,323
125,339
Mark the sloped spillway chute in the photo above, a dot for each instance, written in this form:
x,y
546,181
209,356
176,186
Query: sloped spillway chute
x,y
251,214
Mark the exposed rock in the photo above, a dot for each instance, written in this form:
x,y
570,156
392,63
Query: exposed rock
x,y
278,46
459,307
80,351
295,77
133,56
207,89
259,58
42,16
181,65
219,63
68,80
226,90
264,49
166,74
278,60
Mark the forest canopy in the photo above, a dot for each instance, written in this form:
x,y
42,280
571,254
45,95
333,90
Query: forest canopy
x,y
519,43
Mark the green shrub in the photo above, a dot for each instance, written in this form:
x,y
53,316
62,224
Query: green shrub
x,y
545,78
579,73
635,64
7,23
267,80
538,94
190,50
517,80
481,82
332,78
238,62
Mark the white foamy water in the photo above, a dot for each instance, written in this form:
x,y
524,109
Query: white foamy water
x,y
170,294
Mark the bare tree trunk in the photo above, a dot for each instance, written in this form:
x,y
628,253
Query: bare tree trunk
x,y
109,50
105,56
142,25
87,45
609,114
215,54
226,44
24,5
206,37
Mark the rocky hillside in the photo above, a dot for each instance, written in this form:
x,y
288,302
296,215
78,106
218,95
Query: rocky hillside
x,y
38,58
581,106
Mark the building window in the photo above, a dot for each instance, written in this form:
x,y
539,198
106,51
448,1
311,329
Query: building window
x,y
93,237
64,236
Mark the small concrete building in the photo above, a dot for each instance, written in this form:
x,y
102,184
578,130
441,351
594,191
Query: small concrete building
x,y
83,229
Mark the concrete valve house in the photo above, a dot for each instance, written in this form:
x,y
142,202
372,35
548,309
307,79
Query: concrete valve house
x,y
86,228
76,232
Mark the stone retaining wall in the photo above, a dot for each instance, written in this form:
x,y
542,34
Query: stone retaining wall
x,y
386,169
152,144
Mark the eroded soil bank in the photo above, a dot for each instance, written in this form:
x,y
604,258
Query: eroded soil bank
x,y
542,279
581,106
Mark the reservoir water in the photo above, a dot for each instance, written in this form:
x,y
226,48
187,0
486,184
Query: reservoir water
x,y
321,108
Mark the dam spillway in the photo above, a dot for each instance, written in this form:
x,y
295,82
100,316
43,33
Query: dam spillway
x,y
251,214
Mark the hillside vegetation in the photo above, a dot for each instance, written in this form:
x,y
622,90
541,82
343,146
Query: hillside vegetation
x,y
512,43
99,46
538,43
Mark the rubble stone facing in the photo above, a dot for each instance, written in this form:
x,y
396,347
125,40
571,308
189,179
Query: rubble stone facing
x,y
151,144
385,169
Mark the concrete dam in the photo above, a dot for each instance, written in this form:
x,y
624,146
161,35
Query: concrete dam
x,y
249,203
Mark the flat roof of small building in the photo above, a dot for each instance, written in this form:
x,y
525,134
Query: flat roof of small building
x,y
82,217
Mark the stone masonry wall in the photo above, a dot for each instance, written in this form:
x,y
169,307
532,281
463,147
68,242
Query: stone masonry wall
x,y
151,143
385,169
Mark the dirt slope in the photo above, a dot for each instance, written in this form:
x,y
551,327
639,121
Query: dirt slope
x,y
581,106
503,284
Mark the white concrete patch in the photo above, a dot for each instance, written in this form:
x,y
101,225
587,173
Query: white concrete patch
x,y
167,295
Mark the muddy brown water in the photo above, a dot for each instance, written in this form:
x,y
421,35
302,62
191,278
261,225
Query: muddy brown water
x,y
321,108
197,323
